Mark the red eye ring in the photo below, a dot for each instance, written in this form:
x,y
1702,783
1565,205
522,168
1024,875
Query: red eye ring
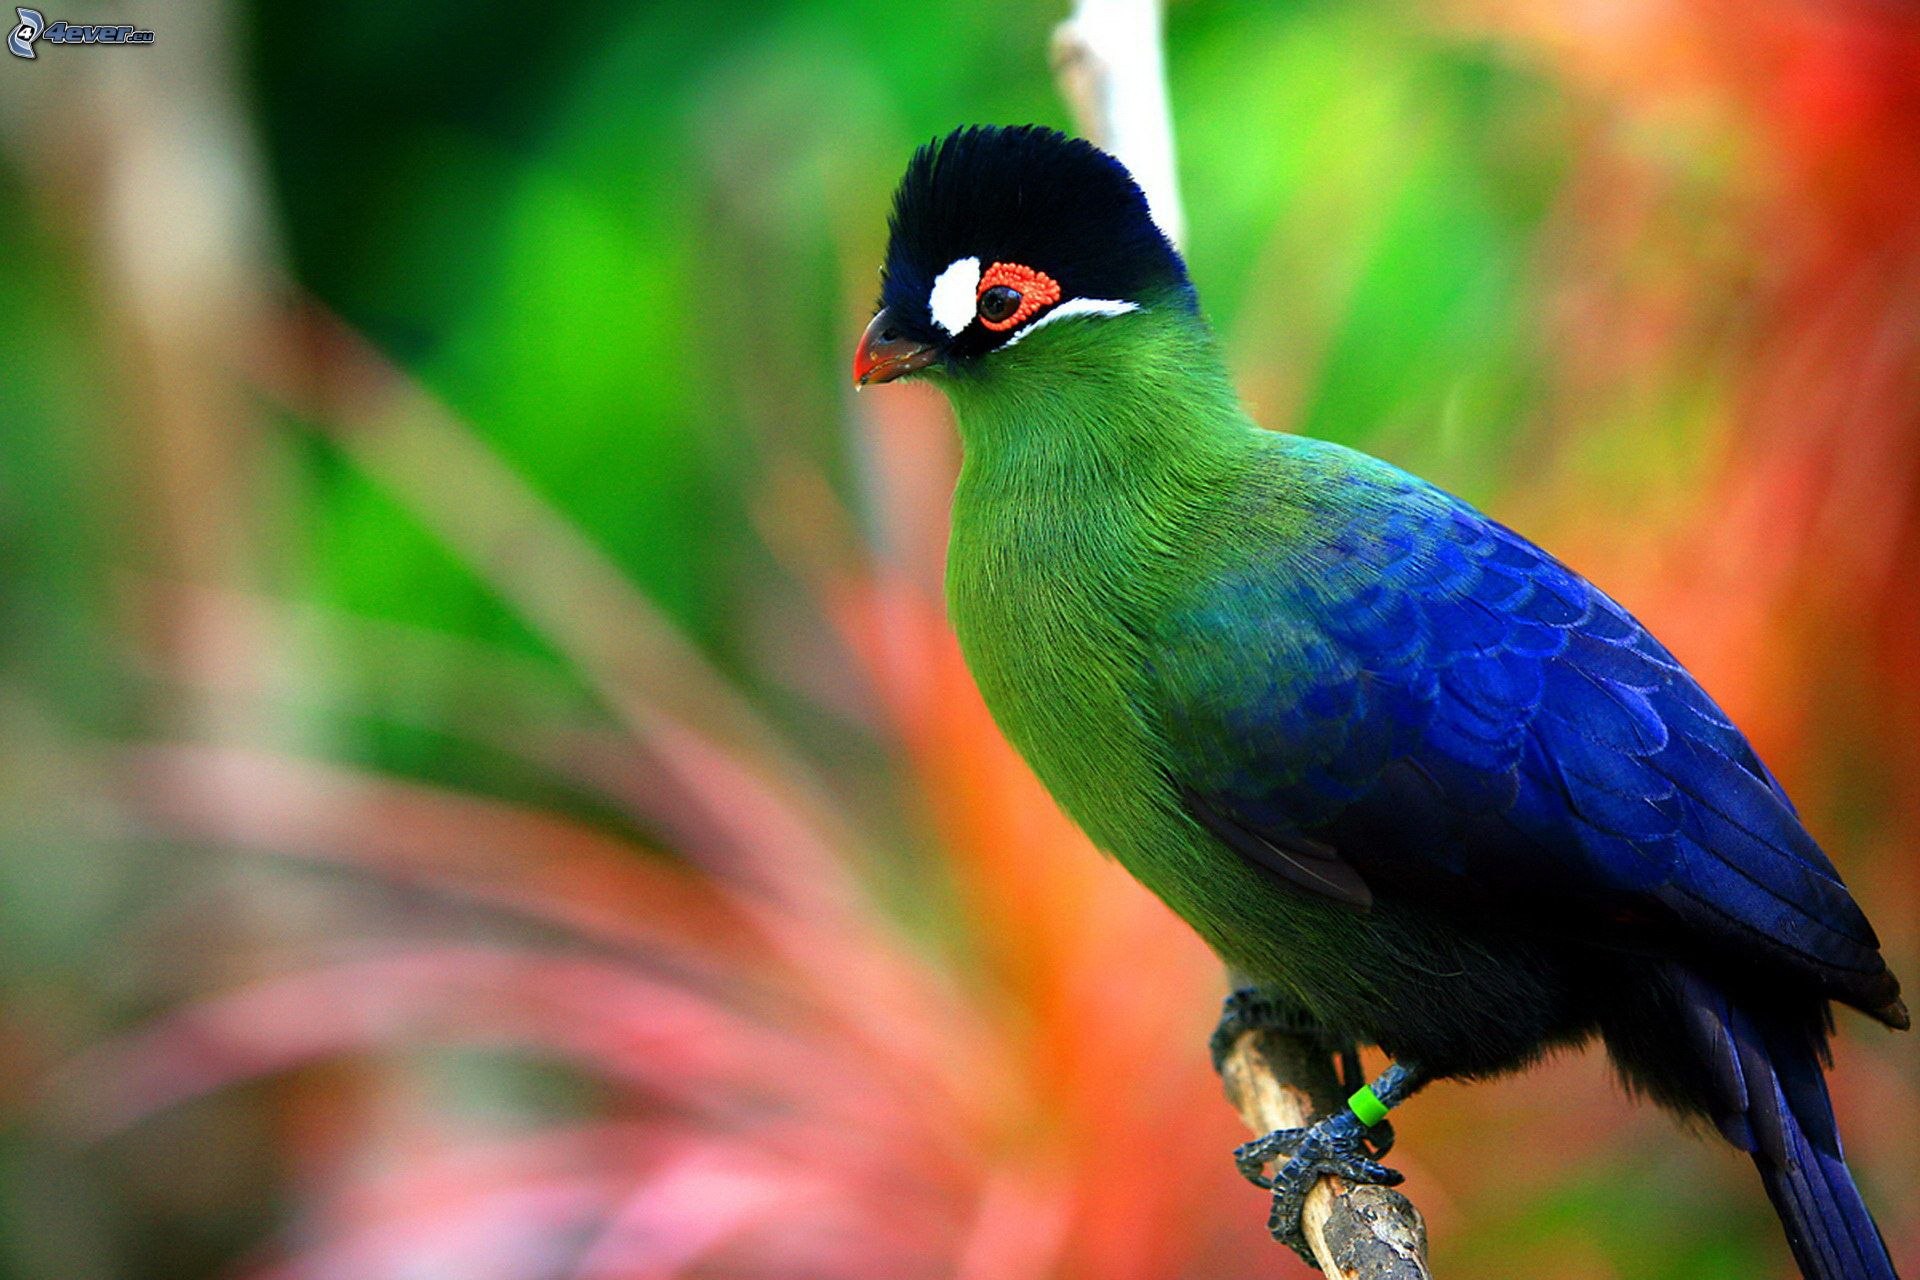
x,y
1037,289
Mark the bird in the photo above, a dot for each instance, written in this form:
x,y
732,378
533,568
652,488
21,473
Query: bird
x,y
1416,782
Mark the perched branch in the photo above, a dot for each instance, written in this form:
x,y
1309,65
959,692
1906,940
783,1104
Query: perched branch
x,y
1109,65
1107,62
1280,1081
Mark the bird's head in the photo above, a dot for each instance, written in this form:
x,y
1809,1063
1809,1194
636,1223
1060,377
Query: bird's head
x,y
998,233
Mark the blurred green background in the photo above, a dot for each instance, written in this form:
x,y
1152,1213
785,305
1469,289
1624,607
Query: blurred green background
x,y
485,787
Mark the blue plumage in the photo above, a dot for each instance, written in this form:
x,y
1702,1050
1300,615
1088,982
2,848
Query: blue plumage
x,y
1456,711
1401,706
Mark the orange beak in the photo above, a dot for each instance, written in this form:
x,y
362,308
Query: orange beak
x,y
884,354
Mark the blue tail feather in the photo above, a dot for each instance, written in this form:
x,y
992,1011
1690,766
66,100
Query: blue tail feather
x,y
1772,1101
1832,1235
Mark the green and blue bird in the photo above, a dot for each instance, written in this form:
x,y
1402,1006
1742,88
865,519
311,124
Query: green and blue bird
x,y
1416,782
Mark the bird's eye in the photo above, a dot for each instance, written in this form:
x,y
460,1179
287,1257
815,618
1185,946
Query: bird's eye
x,y
999,303
1010,295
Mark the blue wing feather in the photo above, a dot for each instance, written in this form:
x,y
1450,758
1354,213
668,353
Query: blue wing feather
x,y
1449,707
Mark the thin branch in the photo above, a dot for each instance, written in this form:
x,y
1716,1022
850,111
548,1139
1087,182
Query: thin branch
x,y
1109,64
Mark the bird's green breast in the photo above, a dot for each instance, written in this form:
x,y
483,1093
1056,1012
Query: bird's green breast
x,y
1050,624
1060,584
1083,512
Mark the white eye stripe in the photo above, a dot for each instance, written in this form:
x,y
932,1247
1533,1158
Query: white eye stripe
x,y
951,300
954,296
1074,307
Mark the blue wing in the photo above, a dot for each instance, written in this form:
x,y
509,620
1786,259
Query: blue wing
x,y
1415,699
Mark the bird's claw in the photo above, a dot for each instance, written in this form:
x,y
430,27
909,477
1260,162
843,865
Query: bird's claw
x,y
1338,1146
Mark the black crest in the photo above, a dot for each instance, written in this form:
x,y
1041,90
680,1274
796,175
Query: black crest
x,y
1031,196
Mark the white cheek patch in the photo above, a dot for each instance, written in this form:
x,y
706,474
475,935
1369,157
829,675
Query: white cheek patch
x,y
951,302
1075,307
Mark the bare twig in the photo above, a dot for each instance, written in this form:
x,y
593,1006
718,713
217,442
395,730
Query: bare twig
x,y
1108,62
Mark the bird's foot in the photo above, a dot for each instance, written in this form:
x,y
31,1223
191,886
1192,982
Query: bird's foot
x,y
1252,1009
1339,1145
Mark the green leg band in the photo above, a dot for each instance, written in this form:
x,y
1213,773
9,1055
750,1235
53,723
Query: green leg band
x,y
1366,1105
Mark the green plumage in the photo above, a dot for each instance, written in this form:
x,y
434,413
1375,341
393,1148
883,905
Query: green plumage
x,y
1096,489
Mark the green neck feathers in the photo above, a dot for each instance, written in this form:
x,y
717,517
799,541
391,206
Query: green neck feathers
x,y
1097,457
1108,402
